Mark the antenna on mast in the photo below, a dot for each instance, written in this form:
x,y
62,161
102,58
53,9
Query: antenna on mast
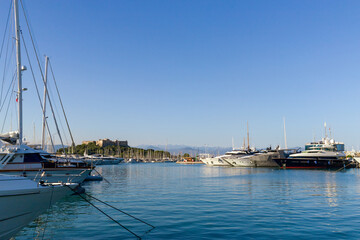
x,y
285,134
34,133
314,136
233,147
248,138
325,130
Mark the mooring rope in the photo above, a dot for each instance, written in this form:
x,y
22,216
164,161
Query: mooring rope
x,y
119,210
101,175
62,106
344,167
138,237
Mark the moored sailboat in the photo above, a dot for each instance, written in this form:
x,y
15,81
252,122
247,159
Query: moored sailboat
x,y
17,158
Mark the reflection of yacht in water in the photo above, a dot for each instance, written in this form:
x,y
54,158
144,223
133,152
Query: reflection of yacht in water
x,y
324,154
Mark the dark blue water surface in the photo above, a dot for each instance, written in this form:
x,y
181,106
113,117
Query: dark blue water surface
x,y
201,202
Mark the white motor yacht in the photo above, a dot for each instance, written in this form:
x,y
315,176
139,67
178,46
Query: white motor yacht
x,y
262,158
258,159
221,160
98,159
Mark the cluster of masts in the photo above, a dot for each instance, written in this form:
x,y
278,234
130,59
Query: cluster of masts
x,y
13,137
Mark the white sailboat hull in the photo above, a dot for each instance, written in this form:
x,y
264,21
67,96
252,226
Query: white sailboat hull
x,y
22,200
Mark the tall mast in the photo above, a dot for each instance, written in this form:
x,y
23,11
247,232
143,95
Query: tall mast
x,y
285,134
44,107
18,69
248,138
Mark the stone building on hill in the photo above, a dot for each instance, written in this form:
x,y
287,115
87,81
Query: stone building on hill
x,y
107,142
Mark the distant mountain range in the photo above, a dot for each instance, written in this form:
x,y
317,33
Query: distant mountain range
x,y
192,150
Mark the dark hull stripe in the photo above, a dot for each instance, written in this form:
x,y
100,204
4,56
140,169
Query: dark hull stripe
x,y
20,194
20,215
45,169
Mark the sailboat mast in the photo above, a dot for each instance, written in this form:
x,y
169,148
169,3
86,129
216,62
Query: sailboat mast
x,y
44,107
248,138
18,69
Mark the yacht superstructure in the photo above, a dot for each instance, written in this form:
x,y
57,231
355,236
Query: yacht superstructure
x,y
25,161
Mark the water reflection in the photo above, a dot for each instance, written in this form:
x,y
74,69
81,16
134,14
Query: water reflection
x,y
63,214
194,202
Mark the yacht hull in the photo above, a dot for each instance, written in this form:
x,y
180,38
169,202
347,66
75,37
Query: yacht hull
x,y
216,161
254,160
313,163
21,206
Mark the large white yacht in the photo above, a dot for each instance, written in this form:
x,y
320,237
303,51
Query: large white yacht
x,y
262,158
22,200
324,154
221,160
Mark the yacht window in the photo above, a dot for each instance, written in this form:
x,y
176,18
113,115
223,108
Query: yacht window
x,y
32,157
12,159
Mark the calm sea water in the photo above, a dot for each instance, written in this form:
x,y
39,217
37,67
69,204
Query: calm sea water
x,y
201,202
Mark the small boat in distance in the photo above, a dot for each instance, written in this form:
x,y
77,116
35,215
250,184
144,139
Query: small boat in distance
x,y
98,159
189,160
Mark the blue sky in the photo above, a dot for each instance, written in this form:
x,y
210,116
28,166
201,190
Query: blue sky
x,y
194,72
